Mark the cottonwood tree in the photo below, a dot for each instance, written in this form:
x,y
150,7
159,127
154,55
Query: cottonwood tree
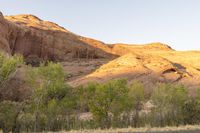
x,y
191,111
168,101
9,112
108,102
49,93
136,95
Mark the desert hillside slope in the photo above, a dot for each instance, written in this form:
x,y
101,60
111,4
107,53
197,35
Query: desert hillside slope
x,y
86,59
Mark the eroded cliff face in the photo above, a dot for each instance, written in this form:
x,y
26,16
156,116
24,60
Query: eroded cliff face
x,y
39,40
4,44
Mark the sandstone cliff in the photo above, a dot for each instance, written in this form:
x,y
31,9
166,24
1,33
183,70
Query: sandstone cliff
x,y
42,40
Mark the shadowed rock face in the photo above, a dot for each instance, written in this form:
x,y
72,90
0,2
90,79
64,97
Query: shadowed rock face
x,y
41,40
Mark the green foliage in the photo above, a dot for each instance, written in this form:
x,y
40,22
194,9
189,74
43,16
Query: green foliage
x,y
48,81
55,106
191,109
8,65
168,101
108,99
84,95
8,115
8,110
191,112
26,120
136,92
136,96
52,99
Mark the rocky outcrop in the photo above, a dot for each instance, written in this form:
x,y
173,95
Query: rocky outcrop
x,y
4,45
122,49
39,40
149,67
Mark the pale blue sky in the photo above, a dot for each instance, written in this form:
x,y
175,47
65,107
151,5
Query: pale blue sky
x,y
174,22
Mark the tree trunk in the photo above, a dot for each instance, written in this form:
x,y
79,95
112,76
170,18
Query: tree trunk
x,y
136,118
5,130
16,127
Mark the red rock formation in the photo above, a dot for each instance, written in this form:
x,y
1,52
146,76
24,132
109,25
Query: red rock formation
x,y
41,40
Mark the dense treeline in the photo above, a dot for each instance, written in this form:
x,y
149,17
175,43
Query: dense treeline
x,y
55,106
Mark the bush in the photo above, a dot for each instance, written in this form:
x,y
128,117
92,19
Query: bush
x,y
191,112
9,112
8,64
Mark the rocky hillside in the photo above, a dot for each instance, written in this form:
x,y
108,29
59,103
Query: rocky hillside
x,y
42,40
149,69
86,59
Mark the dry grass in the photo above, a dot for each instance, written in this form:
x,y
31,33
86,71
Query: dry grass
x,y
180,129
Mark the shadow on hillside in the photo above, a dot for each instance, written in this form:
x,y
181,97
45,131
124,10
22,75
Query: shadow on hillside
x,y
39,44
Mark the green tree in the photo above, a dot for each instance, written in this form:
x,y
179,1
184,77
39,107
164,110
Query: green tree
x,y
168,101
136,95
109,101
84,95
51,95
191,111
9,112
8,65
179,96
